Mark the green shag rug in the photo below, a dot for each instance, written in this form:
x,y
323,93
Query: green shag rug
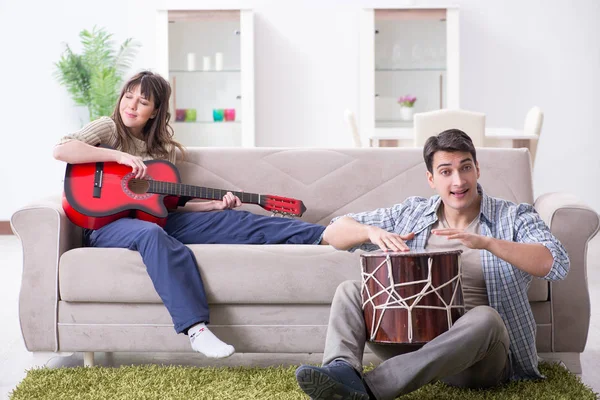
x,y
176,382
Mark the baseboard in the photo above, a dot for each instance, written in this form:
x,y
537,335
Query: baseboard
x,y
5,228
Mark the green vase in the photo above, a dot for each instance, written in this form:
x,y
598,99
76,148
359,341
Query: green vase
x,y
190,115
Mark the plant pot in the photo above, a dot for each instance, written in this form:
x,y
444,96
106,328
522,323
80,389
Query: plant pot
x,y
406,113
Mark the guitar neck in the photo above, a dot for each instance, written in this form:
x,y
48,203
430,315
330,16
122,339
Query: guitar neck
x,y
198,192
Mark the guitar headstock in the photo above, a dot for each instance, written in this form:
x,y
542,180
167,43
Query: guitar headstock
x,y
282,205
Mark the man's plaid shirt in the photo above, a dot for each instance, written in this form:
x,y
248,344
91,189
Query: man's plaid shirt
x,y
506,284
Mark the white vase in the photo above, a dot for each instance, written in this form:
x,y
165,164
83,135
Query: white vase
x,y
191,61
218,61
206,63
406,113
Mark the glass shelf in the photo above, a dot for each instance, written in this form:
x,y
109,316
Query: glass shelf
x,y
208,122
210,53
408,69
203,71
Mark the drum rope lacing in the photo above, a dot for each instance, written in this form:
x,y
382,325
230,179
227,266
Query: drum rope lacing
x,y
394,299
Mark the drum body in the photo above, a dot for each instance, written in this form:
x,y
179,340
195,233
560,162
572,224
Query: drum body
x,y
410,297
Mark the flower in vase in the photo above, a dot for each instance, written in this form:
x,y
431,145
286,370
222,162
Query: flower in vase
x,y
407,101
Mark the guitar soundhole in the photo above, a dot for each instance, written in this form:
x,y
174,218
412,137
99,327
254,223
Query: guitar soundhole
x,y
138,186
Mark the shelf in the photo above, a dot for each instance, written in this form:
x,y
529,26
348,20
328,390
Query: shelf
x,y
410,69
197,71
208,122
406,51
226,38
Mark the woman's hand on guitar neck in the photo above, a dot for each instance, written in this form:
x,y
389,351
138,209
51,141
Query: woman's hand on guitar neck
x,y
229,201
136,163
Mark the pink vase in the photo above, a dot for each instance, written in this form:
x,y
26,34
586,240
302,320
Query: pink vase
x,y
230,114
180,115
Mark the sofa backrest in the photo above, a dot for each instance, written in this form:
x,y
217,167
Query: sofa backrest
x,y
334,182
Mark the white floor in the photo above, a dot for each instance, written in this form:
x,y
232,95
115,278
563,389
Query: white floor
x,y
15,359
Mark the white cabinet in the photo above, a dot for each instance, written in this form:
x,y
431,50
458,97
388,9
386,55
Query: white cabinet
x,y
208,56
406,51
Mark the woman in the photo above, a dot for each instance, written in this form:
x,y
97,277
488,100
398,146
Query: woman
x,y
139,130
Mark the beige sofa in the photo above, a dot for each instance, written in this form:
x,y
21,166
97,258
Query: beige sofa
x,y
272,298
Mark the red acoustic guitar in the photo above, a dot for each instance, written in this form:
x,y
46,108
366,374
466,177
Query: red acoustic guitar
x,y
97,194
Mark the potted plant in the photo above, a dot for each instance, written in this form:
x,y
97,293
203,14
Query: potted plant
x,y
406,107
94,77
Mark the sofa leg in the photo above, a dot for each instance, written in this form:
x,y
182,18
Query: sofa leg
x,y
571,360
88,359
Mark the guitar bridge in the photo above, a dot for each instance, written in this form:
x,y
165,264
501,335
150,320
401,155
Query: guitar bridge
x,y
98,179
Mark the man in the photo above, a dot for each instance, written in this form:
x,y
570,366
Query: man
x,y
504,245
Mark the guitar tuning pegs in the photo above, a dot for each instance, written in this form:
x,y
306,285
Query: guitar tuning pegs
x,y
282,214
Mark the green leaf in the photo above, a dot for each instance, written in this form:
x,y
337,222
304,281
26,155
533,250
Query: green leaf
x,y
125,56
94,77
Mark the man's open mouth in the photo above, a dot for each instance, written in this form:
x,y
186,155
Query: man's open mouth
x,y
459,193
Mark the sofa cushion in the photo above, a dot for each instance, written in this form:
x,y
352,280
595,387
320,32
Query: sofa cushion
x,y
538,291
286,274
232,274
334,182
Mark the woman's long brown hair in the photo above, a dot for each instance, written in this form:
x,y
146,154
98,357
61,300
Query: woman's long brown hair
x,y
157,133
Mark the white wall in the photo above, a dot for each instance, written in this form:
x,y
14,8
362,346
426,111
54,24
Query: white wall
x,y
514,54
35,110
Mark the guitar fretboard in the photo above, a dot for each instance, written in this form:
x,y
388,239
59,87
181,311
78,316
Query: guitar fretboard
x,y
180,189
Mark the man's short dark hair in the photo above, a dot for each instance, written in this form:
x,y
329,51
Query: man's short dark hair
x,y
451,140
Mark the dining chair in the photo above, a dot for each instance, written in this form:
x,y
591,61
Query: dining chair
x,y
533,126
534,121
351,120
432,123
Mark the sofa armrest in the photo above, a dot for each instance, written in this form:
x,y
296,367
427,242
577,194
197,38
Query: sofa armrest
x,y
45,233
574,224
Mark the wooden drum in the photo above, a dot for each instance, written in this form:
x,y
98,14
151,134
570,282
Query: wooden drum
x,y
410,297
